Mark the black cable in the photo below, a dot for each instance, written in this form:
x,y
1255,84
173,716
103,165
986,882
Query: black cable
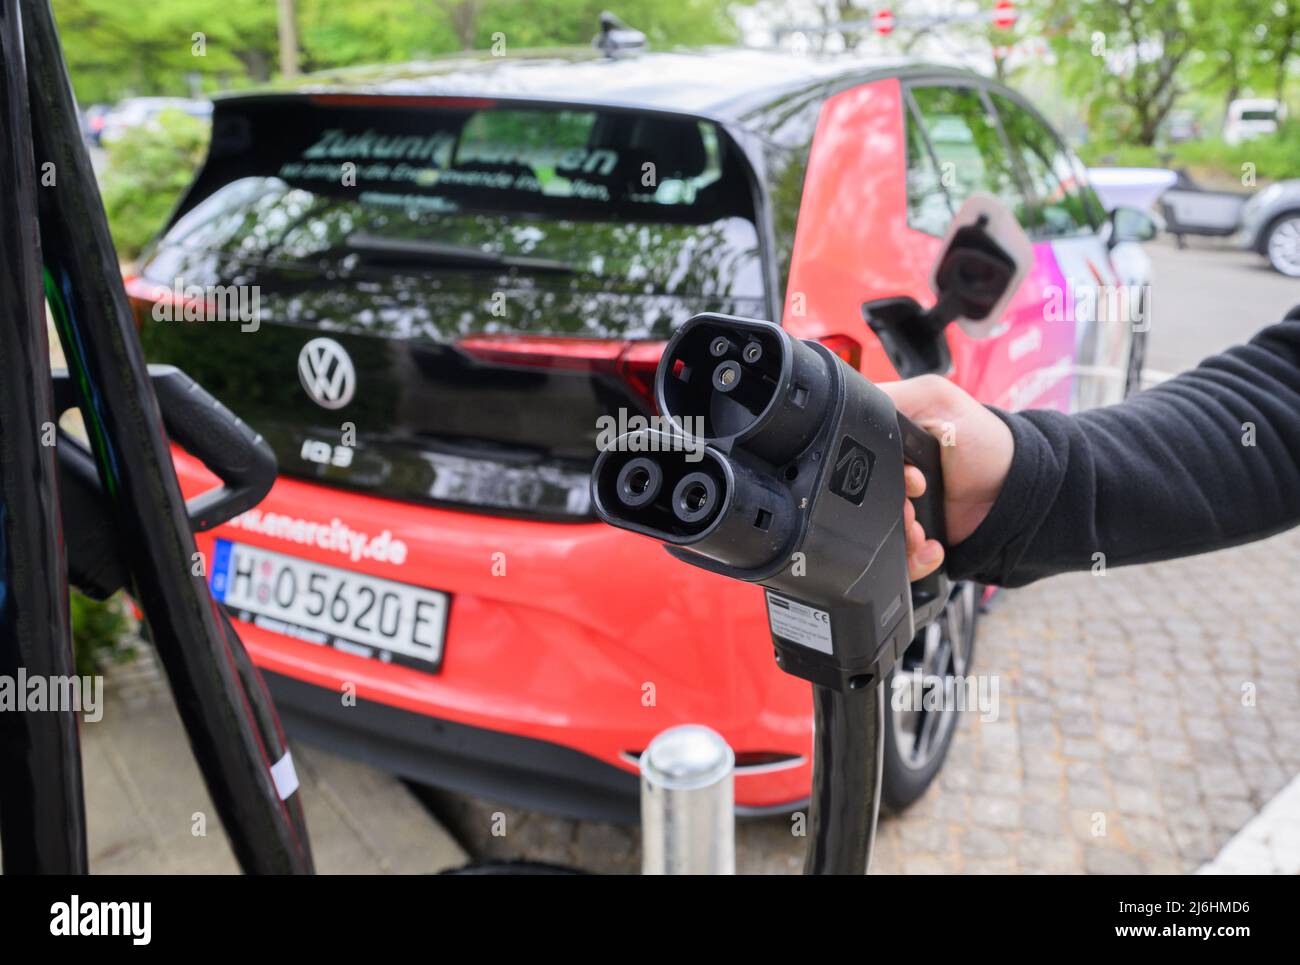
x,y
848,749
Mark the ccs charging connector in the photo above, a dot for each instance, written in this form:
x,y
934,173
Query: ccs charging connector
x,y
797,484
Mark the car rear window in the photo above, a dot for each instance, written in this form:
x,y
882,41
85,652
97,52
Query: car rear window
x,y
633,201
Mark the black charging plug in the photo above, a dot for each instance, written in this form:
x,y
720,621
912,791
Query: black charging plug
x,y
792,477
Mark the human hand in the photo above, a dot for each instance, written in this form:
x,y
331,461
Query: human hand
x,y
975,458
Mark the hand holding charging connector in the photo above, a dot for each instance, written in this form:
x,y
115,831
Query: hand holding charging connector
x,y
793,476
798,486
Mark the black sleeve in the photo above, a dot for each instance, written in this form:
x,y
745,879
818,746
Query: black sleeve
x,y
1206,460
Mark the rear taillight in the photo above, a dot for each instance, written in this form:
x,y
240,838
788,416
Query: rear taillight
x,y
633,362
637,366
846,347
151,300
143,295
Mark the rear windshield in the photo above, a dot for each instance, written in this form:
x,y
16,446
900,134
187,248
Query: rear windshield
x,y
643,203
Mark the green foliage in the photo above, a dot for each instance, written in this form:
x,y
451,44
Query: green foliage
x,y
103,632
1131,62
117,48
1099,153
146,171
1273,157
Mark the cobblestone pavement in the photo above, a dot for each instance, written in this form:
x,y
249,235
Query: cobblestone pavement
x,y
1146,716
1269,844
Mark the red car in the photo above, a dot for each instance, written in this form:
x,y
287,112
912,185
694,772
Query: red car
x,y
435,293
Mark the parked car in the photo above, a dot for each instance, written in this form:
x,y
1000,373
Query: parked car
x,y
1181,126
92,122
1270,225
463,275
136,111
1251,117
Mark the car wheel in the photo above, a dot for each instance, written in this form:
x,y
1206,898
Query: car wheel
x,y
916,739
1282,245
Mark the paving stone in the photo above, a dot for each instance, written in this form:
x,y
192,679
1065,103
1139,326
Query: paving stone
x,y
1136,801
979,843
927,838
1084,773
1219,781
990,866
1108,861
930,864
1230,814
1043,819
996,812
1082,748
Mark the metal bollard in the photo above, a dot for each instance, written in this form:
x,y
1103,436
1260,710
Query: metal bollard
x,y
688,823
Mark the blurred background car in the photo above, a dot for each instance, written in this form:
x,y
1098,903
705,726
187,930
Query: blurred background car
x,y
138,111
1182,126
1270,225
1251,117
92,122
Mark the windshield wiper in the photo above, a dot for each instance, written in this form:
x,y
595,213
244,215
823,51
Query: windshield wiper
x,y
400,250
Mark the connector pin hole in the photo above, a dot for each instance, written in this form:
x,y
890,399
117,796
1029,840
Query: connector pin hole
x,y
694,497
726,376
639,483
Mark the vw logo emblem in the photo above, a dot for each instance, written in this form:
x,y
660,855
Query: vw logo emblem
x,y
326,372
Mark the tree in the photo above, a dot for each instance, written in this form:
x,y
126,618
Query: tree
x,y
1143,55
117,48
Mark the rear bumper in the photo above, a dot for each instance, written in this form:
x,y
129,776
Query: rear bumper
x,y
568,648
472,760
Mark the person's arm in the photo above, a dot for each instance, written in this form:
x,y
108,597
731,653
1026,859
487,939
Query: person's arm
x,y
1206,460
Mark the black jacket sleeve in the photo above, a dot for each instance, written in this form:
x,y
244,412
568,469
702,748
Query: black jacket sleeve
x,y
1206,460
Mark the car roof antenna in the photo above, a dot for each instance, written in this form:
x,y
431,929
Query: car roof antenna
x,y
616,38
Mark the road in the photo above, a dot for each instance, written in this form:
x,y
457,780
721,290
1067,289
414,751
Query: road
x,y
1123,743
1209,297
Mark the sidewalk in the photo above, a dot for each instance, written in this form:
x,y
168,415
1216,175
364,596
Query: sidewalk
x,y
145,799
1147,717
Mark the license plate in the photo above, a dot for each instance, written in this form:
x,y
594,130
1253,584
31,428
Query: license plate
x,y
364,615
